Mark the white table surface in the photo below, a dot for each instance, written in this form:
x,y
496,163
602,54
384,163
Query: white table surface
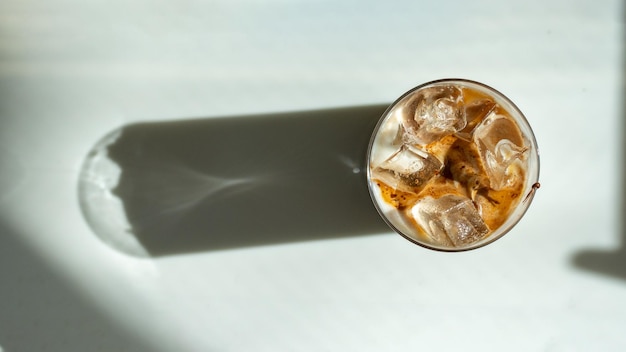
x,y
72,71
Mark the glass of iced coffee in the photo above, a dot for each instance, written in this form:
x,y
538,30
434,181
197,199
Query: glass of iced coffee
x,y
452,165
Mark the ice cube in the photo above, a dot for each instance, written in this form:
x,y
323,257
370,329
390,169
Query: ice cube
x,y
499,161
451,218
388,139
409,169
476,111
432,114
501,145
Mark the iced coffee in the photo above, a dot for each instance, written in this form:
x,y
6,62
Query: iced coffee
x,y
452,165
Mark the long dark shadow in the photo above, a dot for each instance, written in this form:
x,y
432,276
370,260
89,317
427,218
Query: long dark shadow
x,y
166,188
613,263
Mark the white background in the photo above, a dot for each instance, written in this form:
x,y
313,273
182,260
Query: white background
x,y
72,71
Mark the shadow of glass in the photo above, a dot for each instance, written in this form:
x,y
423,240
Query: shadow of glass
x,y
612,262
163,188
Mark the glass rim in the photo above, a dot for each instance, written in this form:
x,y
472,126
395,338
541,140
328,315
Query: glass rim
x,y
529,187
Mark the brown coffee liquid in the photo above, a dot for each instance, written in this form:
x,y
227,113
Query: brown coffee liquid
x,y
463,173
